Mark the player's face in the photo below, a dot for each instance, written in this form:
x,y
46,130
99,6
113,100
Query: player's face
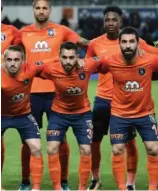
x,y
68,59
13,61
112,22
41,11
129,46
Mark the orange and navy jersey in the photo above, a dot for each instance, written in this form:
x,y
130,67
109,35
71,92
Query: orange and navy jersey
x,y
71,89
42,45
9,35
148,48
131,85
15,91
102,46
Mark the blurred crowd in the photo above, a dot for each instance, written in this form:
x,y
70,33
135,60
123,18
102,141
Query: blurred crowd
x,y
90,27
148,28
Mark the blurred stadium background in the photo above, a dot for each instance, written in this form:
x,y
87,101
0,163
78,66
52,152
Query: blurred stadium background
x,y
85,17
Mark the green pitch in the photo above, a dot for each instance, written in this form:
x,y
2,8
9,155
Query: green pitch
x,y
12,170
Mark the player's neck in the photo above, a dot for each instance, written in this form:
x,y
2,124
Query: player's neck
x,y
129,62
113,36
71,72
41,25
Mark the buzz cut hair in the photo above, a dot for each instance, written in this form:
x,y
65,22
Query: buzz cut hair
x,y
15,48
114,9
48,1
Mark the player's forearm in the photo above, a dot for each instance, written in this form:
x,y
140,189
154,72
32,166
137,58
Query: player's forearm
x,y
83,42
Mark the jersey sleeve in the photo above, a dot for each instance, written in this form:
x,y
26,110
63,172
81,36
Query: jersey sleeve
x,y
47,71
154,64
97,64
148,48
90,51
70,35
17,36
35,68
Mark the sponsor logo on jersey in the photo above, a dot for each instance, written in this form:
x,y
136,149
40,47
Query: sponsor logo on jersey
x,y
41,46
74,91
3,37
132,86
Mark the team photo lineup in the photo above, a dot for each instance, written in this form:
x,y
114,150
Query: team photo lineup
x,y
80,113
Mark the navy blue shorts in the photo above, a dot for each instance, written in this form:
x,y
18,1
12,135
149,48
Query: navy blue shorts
x,y
81,124
146,127
40,103
26,125
101,118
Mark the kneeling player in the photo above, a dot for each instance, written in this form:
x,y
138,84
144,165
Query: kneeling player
x,y
70,107
16,83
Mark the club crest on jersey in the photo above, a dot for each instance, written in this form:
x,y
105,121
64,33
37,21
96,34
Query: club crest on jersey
x,y
26,81
3,37
82,76
141,71
51,32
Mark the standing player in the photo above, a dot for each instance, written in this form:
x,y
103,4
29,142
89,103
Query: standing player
x,y
9,35
108,44
70,107
132,105
15,107
42,41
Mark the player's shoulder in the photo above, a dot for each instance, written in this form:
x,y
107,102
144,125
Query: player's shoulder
x,y
56,26
97,39
114,57
28,28
148,56
2,69
141,41
8,27
54,66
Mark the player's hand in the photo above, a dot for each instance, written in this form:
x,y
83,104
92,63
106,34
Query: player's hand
x,y
156,43
80,63
141,52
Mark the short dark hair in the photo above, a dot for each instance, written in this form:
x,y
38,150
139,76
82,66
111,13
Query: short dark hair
x,y
129,30
69,46
48,1
15,48
115,9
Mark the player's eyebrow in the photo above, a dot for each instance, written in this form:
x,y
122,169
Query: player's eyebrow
x,y
15,59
